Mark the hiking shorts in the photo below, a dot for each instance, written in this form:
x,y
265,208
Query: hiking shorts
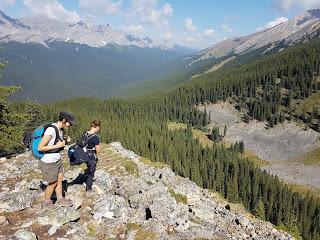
x,y
50,171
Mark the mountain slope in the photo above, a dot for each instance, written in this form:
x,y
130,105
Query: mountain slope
x,y
53,60
68,69
295,30
132,198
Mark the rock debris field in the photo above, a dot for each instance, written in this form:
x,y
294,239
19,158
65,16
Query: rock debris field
x,y
278,145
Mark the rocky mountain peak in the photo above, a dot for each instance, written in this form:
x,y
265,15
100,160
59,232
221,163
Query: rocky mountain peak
x,y
133,198
297,29
41,30
314,12
11,22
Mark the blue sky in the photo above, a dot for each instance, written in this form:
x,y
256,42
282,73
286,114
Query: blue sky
x,y
193,23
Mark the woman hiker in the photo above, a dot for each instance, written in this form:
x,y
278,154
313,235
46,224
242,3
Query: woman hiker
x,y
93,148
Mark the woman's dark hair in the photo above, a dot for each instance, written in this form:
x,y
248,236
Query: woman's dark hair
x,y
96,123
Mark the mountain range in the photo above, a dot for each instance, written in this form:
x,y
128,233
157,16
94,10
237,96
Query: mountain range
x,y
42,30
99,61
81,59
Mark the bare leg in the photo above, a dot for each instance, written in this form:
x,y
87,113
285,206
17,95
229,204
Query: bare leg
x,y
49,190
59,186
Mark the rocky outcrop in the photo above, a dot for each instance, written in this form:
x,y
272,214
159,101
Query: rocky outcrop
x,y
133,198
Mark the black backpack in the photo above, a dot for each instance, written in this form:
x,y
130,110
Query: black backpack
x,y
84,140
78,153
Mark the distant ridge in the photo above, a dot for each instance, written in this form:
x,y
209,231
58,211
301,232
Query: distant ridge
x,y
296,30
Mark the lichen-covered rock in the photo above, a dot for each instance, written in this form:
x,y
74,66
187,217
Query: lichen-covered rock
x,y
58,217
16,201
111,206
3,221
24,235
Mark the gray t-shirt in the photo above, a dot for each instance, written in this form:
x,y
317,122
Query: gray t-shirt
x,y
51,157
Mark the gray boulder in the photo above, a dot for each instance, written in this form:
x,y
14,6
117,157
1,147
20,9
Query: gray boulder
x,y
16,201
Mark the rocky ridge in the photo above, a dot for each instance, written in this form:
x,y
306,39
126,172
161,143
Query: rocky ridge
x,y
43,30
291,32
133,198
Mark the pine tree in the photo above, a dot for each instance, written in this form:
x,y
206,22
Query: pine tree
x,y
259,210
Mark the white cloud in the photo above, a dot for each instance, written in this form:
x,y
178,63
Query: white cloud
x,y
286,5
167,36
100,7
209,33
189,25
148,13
192,40
52,9
225,28
7,2
273,23
167,9
135,30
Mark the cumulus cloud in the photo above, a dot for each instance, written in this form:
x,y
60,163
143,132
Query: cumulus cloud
x,y
100,7
273,23
286,5
167,9
189,25
148,13
167,36
52,9
209,33
226,29
135,30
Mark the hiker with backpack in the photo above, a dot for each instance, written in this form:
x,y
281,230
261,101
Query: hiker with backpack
x,y
50,164
92,148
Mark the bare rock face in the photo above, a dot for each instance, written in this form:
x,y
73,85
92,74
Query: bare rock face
x,y
154,203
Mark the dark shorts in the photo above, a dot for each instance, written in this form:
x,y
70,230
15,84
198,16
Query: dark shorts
x,y
50,171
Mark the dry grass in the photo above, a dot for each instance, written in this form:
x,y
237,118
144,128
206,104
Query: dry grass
x,y
304,190
311,158
254,158
197,134
148,162
145,235
308,104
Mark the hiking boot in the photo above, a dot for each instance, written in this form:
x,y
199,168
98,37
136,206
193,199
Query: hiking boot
x,y
90,193
65,202
48,205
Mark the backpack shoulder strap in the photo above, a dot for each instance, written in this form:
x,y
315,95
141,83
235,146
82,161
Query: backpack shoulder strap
x,y
91,136
58,138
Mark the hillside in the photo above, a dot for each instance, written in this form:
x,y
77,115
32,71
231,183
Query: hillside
x,y
73,70
133,199
286,148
